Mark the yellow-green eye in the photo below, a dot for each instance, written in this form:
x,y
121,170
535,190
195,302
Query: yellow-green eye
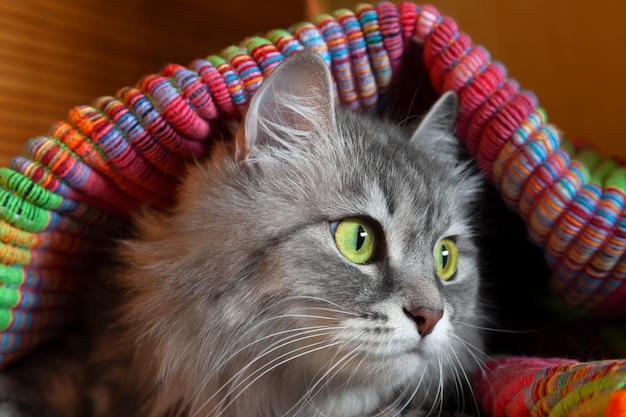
x,y
446,258
355,239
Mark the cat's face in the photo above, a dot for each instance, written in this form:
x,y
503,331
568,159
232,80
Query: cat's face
x,y
327,265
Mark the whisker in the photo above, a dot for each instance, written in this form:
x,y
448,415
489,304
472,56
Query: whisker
x,y
402,123
261,372
297,333
347,382
473,350
411,104
466,378
438,402
315,389
402,399
339,308
461,379
254,329
496,330
266,321
357,366
295,338
263,323
451,369
255,376
331,310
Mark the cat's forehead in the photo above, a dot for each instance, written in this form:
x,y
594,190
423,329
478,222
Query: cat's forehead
x,y
367,169
395,184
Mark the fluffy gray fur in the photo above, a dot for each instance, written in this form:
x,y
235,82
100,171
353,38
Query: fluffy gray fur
x,y
239,303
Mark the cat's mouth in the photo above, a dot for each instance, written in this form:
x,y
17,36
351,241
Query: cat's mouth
x,y
421,339
415,350
392,350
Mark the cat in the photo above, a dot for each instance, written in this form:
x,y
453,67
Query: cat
x,y
322,263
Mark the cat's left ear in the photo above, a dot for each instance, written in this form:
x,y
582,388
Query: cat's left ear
x,y
293,103
436,131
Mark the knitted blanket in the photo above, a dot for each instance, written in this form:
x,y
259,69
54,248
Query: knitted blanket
x,y
74,188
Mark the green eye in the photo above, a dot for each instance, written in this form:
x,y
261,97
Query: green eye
x,y
446,259
355,239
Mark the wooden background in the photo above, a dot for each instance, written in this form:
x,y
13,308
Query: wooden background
x,y
57,54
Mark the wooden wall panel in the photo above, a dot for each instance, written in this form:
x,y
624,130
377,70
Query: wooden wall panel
x,y
570,53
57,54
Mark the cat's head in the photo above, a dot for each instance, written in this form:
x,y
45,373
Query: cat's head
x,y
330,256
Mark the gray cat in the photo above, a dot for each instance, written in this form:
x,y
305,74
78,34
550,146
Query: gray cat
x,y
321,264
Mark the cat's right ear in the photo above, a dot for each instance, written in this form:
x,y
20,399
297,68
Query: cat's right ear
x,y
296,100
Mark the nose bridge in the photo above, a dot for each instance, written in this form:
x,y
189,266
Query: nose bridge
x,y
423,302
418,287
416,282
423,294
421,289
413,266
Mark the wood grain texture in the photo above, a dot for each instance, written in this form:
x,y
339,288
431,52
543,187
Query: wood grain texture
x,y
58,54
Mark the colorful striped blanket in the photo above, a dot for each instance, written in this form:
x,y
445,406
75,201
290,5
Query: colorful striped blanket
x,y
73,188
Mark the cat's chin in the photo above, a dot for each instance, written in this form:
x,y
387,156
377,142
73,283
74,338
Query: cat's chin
x,y
401,370
357,402
395,383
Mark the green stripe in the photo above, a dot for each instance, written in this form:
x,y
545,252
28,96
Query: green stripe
x,y
9,297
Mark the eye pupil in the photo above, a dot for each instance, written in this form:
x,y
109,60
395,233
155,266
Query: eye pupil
x,y
445,253
361,236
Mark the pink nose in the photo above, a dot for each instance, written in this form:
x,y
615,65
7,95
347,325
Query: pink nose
x,y
426,319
